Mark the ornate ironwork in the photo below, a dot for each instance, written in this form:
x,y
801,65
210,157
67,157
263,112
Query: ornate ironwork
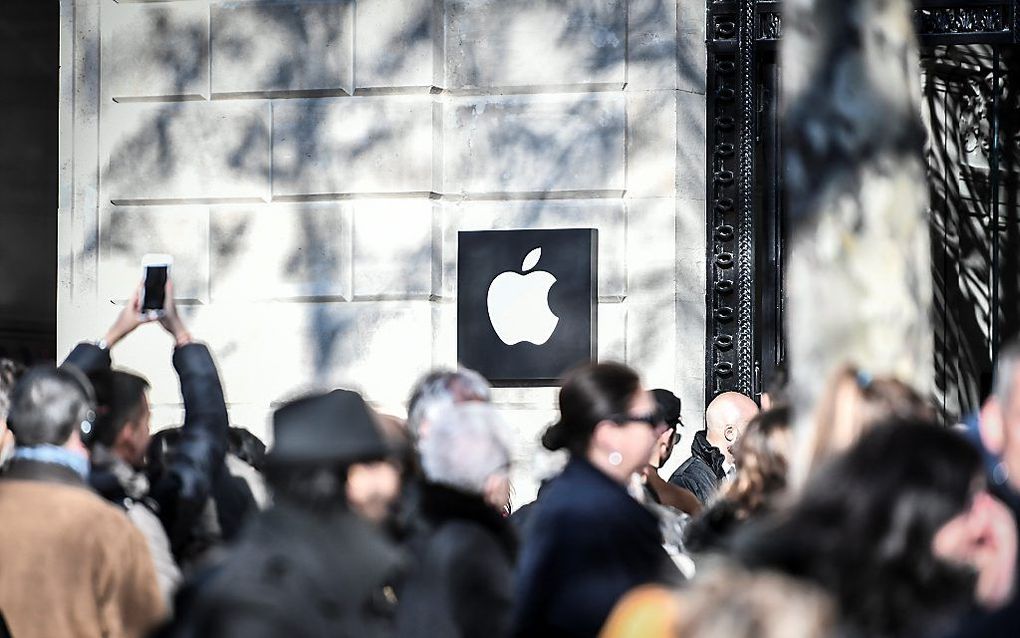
x,y
770,26
745,235
962,20
730,265
739,32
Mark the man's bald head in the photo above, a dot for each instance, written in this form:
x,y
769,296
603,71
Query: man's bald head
x,y
729,411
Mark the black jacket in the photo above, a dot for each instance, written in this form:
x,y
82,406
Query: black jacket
x,y
179,494
589,544
524,518
462,582
299,575
702,473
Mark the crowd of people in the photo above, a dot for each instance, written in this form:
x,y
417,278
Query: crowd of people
x,y
868,519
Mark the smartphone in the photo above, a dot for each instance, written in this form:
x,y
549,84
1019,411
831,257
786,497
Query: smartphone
x,y
155,273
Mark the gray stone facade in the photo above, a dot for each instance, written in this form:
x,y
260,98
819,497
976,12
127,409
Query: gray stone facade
x,y
309,163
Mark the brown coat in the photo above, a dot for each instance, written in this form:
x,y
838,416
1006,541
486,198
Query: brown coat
x,y
70,563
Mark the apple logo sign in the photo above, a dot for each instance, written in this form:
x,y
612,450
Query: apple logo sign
x,y
527,303
519,304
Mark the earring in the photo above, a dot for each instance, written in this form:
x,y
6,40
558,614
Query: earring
x,y
615,458
1000,474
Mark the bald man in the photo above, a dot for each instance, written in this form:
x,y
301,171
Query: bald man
x,y
711,460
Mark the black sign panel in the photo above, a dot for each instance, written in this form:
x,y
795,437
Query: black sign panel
x,y
526,303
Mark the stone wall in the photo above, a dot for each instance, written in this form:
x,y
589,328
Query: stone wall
x,y
309,164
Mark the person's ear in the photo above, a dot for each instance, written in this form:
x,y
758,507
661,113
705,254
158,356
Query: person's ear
x,y
991,426
731,433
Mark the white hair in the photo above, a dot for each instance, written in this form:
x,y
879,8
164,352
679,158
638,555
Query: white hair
x,y
466,445
441,389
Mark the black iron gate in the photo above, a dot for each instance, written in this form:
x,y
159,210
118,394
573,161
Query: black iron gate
x,y
969,60
970,104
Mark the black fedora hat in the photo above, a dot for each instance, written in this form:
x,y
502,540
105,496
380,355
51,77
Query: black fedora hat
x,y
319,429
669,406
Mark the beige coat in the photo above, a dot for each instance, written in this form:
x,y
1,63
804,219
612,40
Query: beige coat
x,y
70,563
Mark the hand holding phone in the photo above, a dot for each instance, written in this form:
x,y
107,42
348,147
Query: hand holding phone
x,y
171,321
153,299
155,275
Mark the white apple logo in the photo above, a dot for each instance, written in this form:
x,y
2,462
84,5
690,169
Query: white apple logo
x,y
519,304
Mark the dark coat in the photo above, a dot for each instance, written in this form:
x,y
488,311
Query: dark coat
x,y
298,575
462,582
180,493
589,544
702,473
524,518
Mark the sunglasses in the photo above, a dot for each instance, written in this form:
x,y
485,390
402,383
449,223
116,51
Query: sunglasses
x,y
653,419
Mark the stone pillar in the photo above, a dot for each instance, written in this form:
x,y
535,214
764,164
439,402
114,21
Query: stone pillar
x,y
859,280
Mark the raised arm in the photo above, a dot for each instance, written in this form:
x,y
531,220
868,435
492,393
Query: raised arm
x,y
185,486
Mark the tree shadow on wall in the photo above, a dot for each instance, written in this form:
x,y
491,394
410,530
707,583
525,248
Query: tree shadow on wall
x,y
172,147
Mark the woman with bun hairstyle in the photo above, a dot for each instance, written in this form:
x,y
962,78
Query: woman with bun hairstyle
x,y
590,541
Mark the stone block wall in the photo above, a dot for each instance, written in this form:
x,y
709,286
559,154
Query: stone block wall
x,y
310,162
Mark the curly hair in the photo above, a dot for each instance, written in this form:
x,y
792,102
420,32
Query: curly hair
x,y
761,456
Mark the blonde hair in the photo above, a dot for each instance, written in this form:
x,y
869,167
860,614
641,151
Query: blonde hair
x,y
852,403
731,603
724,602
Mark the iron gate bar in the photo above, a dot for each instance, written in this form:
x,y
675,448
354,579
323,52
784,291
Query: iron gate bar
x,y
993,217
730,132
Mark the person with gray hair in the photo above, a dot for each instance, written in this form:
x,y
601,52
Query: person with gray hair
x,y
467,450
440,389
73,564
461,583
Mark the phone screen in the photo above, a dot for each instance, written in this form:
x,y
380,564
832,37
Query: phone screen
x,y
155,288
